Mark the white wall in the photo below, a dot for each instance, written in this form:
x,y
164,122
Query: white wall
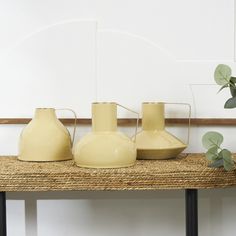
x,y
71,53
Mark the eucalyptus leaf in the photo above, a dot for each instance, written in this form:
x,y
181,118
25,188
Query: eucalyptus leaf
x,y
230,103
229,165
212,139
212,153
233,79
217,163
220,155
222,74
227,159
233,91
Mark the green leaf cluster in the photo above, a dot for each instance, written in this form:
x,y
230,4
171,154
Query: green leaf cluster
x,y
212,140
215,154
223,76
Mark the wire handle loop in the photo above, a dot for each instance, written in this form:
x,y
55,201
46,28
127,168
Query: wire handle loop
x,y
137,119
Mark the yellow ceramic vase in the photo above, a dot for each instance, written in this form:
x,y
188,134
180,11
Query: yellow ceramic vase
x,y
154,142
105,147
45,138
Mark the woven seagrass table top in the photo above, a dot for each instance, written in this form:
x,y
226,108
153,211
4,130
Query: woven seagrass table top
x,y
186,171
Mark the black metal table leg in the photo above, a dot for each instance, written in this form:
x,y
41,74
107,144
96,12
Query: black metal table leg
x,y
191,204
3,221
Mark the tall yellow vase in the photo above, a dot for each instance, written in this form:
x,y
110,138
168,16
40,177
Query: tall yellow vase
x,y
45,138
154,142
105,147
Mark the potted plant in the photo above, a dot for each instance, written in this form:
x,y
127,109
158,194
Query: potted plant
x,y
212,141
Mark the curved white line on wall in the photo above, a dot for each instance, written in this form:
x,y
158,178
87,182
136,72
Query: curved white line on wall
x,y
40,69
45,28
165,52
132,68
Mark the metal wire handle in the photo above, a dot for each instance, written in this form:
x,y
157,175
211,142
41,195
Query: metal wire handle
x,y
136,128
189,117
75,116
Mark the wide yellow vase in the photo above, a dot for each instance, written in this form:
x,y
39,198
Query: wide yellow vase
x,y
105,147
154,142
45,138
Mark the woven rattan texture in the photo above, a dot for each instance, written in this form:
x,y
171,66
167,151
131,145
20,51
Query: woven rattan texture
x,y
185,172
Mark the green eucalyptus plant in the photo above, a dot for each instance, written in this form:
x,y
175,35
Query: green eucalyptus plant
x,y
221,157
224,78
218,156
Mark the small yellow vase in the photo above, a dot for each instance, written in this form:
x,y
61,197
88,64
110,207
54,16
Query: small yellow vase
x,y
154,142
105,147
45,138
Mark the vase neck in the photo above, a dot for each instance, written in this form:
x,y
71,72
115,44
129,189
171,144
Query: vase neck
x,y
153,116
45,114
104,117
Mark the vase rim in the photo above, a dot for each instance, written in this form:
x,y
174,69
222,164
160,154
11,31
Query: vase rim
x,y
154,103
45,108
98,103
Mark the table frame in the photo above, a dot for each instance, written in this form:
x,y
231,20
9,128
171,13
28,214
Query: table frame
x,y
191,208
3,215
191,212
